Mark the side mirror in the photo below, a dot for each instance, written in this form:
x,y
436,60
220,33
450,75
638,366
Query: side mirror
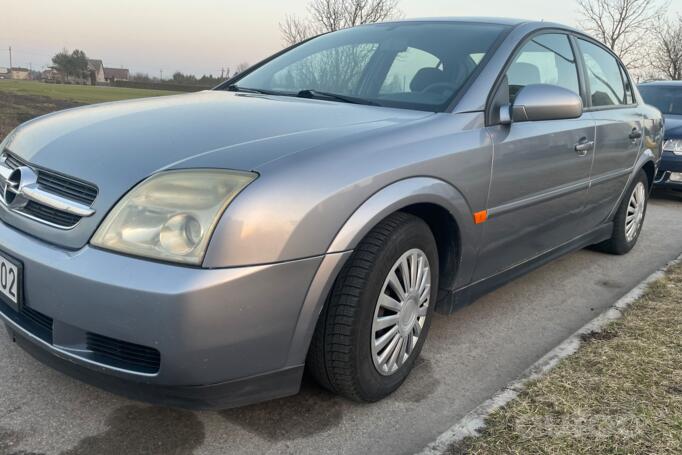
x,y
542,102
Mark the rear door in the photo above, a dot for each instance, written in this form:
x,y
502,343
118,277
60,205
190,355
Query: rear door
x,y
539,182
619,130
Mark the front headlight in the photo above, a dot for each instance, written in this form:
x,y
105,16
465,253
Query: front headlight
x,y
171,215
673,145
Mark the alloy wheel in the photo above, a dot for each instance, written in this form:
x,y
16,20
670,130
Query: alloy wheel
x,y
401,311
635,212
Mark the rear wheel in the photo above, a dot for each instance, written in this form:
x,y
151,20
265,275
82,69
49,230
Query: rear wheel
x,y
628,221
377,318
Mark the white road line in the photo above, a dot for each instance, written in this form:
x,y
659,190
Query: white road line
x,y
470,424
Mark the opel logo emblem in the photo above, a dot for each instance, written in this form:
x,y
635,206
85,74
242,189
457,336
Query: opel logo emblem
x,y
18,179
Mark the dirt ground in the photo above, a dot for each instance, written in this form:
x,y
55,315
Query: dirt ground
x,y
16,109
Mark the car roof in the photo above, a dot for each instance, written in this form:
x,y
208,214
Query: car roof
x,y
484,20
489,20
662,83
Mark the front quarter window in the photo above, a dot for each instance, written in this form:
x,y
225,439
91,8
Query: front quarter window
x,y
545,59
411,65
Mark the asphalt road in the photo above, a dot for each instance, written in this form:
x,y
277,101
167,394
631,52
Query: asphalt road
x,y
468,357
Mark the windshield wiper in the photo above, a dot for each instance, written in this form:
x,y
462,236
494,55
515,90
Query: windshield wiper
x,y
236,88
344,99
312,94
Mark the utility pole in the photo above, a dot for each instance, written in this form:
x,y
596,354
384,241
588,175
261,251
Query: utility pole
x,y
10,59
160,75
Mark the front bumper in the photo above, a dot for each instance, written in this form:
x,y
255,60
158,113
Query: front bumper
x,y
670,163
222,332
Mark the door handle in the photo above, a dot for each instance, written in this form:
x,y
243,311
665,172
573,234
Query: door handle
x,y
584,146
635,134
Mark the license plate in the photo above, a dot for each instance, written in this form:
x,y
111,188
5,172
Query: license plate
x,y
10,281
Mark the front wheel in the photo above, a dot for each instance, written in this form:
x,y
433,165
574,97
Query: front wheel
x,y
374,325
628,221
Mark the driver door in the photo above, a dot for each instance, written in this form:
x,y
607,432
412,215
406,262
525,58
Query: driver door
x,y
539,181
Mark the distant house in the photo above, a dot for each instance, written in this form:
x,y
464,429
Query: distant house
x,y
4,73
20,73
116,74
96,71
52,74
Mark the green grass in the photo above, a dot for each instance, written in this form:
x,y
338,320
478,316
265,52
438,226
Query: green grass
x,y
78,93
621,393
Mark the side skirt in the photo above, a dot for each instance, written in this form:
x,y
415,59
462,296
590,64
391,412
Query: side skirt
x,y
453,300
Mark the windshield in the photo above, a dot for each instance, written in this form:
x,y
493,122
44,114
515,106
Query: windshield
x,y
667,99
412,65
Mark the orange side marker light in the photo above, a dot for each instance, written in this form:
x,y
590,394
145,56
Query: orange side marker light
x,y
480,217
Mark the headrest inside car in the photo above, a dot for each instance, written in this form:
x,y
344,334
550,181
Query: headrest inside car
x,y
523,74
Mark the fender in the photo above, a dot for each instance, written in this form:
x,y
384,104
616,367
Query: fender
x,y
392,198
416,190
647,156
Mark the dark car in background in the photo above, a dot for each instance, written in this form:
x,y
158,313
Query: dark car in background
x,y
667,97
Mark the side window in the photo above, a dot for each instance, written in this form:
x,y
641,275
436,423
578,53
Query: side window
x,y
404,69
604,75
546,59
477,57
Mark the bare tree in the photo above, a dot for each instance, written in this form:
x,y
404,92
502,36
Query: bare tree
x,y
667,52
241,68
331,15
294,30
622,24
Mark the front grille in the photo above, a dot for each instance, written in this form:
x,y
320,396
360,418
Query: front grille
x,y
38,319
68,188
12,161
124,355
50,215
31,320
104,350
58,184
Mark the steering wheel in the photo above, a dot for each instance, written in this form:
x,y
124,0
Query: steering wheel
x,y
439,87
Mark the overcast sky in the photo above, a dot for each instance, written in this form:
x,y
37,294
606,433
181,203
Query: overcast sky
x,y
198,36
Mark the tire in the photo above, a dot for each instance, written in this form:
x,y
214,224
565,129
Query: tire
x,y
623,240
342,354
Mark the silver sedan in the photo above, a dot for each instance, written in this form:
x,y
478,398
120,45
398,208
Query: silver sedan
x,y
202,250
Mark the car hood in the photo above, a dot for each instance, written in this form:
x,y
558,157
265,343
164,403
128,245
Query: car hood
x,y
116,145
673,126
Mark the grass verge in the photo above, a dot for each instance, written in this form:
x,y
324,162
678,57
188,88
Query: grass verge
x,y
621,393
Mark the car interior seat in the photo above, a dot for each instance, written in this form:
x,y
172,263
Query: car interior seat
x,y
521,74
